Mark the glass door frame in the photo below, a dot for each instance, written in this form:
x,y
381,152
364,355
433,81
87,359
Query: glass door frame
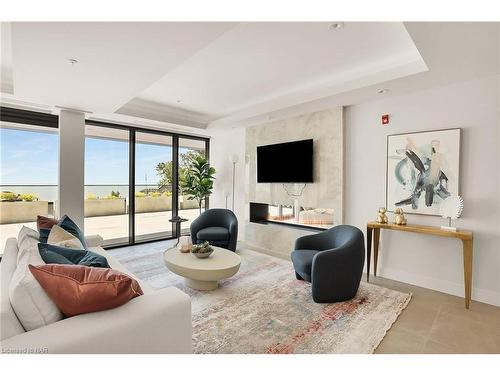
x,y
175,174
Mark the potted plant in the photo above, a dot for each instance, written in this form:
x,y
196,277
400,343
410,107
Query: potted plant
x,y
112,204
21,208
198,180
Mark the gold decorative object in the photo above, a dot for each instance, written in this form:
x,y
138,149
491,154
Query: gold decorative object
x,y
399,218
382,217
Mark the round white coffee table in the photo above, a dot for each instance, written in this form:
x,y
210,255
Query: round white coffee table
x,y
203,274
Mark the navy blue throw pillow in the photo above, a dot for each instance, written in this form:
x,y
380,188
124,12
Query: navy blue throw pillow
x,y
70,226
63,255
44,235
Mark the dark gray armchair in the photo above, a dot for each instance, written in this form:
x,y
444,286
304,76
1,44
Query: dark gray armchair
x,y
217,226
332,261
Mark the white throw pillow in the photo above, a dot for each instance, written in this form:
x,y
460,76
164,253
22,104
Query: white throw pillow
x,y
60,237
26,238
32,305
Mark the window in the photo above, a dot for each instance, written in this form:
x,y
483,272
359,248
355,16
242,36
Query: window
x,y
189,208
107,184
130,185
153,186
29,176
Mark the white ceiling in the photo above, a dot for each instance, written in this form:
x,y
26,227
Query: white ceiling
x,y
116,60
233,74
253,63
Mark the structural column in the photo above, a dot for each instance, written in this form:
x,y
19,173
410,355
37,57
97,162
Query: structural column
x,y
71,165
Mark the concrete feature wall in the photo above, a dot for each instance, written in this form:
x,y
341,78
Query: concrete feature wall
x,y
427,261
326,129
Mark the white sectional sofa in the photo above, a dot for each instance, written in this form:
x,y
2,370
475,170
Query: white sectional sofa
x,y
156,322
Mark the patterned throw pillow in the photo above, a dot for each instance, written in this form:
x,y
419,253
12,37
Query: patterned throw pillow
x,y
80,290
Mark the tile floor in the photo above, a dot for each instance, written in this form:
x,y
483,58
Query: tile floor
x,y
436,322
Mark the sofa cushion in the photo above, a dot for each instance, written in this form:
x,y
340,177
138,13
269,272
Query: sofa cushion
x,y
213,233
60,237
116,265
9,323
26,239
62,255
302,262
32,305
81,289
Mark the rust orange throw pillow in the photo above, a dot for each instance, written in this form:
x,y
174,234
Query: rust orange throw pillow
x,y
81,289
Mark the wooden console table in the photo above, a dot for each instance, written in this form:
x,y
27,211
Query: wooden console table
x,y
464,235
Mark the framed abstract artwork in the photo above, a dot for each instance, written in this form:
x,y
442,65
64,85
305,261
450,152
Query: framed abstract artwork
x,y
422,170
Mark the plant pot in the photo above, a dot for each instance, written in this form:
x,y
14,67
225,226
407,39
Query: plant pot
x,y
104,207
153,204
22,212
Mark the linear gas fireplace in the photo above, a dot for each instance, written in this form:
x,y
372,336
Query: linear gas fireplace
x,y
292,215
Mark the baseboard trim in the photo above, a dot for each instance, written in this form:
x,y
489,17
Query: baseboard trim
x,y
457,289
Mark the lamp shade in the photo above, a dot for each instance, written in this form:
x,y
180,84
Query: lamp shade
x,y
234,158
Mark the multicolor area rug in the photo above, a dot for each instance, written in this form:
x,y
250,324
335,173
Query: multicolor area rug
x,y
264,309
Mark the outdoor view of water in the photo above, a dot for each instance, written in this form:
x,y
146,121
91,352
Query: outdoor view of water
x,y
49,192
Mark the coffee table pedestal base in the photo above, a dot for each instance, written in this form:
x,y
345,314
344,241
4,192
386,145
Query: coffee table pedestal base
x,y
201,285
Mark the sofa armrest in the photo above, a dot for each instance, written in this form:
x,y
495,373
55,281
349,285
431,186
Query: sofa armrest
x,y
158,322
94,240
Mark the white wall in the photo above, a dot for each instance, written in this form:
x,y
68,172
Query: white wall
x,y
71,165
223,144
433,262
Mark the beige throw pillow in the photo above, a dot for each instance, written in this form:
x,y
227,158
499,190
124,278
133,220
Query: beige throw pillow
x,y
60,237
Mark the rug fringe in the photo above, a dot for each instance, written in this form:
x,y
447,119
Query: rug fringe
x,y
402,306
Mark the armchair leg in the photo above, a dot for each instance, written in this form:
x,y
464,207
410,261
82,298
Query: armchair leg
x,y
298,276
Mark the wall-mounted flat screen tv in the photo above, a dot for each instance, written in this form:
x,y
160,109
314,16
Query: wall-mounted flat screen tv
x,y
290,162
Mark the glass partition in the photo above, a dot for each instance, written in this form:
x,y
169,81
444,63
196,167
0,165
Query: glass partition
x,y
29,176
189,209
153,186
107,183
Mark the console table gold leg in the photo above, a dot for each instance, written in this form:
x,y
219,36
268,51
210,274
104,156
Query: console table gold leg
x,y
368,252
467,271
376,239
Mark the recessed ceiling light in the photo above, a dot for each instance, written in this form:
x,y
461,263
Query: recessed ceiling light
x,y
336,26
383,91
73,61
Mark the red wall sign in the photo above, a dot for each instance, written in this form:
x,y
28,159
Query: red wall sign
x,y
385,119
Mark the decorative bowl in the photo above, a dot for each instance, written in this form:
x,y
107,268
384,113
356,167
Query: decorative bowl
x,y
202,255
202,250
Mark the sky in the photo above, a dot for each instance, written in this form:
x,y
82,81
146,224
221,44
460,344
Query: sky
x,y
28,157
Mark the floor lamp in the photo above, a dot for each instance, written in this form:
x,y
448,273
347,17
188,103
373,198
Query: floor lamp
x,y
234,160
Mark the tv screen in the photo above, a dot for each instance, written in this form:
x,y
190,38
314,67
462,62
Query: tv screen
x,y
290,162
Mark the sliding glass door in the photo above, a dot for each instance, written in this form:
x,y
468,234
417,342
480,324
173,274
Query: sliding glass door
x,y
28,176
153,186
107,184
132,182
189,150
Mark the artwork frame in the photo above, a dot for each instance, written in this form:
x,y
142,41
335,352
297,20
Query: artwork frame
x,y
422,168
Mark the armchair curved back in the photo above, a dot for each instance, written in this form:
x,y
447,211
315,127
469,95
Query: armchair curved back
x,y
338,236
217,217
